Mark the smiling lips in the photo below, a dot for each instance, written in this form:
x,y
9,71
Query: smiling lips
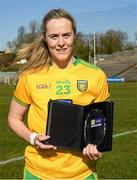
x,y
62,50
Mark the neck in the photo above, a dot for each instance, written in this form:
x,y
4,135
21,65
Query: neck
x,y
63,65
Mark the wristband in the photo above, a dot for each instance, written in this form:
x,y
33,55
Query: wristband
x,y
32,138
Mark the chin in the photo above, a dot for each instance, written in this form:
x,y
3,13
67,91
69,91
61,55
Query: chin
x,y
63,57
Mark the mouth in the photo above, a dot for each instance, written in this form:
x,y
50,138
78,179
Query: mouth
x,y
62,50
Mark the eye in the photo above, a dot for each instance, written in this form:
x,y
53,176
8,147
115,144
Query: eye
x,y
67,35
54,37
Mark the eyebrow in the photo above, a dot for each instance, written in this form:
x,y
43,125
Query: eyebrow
x,y
56,34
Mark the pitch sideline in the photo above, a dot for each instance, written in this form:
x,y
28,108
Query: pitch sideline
x,y
22,157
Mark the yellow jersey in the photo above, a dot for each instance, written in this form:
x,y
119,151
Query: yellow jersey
x,y
83,83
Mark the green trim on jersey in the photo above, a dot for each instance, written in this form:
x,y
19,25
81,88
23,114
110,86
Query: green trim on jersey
x,y
77,60
20,102
93,176
29,175
88,64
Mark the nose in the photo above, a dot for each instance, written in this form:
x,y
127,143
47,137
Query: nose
x,y
61,41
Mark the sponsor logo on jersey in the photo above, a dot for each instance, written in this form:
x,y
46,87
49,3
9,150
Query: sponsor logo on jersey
x,y
43,86
82,85
63,82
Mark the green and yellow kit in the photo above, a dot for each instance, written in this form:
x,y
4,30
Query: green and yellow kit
x,y
84,84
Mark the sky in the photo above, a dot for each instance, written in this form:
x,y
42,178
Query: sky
x,y
91,15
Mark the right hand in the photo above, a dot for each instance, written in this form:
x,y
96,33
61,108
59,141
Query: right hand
x,y
40,145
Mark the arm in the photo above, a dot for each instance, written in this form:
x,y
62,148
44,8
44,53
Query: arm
x,y
15,120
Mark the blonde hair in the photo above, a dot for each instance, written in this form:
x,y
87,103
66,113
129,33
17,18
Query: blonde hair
x,y
36,53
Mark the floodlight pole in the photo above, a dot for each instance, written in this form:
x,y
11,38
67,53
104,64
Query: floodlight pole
x,y
94,47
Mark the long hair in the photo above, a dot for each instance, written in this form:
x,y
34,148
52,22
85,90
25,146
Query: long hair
x,y
36,53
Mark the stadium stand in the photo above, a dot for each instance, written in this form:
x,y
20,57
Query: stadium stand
x,y
124,66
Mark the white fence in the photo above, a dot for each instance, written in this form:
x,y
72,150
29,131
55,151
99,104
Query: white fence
x,y
7,77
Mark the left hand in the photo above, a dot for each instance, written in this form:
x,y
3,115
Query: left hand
x,y
91,152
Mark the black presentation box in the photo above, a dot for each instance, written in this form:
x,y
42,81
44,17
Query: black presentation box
x,y
72,126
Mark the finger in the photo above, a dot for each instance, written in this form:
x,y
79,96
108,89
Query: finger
x,y
91,152
40,138
96,153
43,137
43,146
88,152
84,152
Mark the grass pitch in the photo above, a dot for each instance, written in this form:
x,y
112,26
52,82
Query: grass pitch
x,y
121,163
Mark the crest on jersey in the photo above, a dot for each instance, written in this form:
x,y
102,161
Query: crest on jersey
x,y
82,85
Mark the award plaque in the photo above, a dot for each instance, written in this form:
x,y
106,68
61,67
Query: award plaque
x,y
72,126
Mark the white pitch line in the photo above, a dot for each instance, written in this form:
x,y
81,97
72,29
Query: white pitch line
x,y
124,133
22,157
11,160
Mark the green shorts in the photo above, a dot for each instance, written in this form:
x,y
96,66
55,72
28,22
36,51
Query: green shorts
x,y
29,175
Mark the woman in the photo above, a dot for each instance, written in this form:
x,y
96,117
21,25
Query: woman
x,y
52,72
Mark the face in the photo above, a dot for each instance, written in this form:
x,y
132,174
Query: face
x,y
60,38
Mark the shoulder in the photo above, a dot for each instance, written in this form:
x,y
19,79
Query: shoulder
x,y
89,69
86,64
30,74
82,64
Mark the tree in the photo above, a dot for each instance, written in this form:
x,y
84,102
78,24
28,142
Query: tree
x,y
136,35
33,27
9,44
112,41
21,33
30,37
136,38
6,59
81,47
